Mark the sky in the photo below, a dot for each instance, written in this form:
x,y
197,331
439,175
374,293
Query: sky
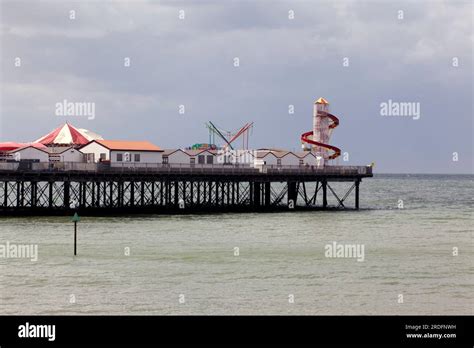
x,y
356,54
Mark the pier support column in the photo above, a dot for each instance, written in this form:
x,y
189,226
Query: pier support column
x,y
34,190
111,194
256,193
223,193
164,192
198,193
176,193
66,199
233,192
292,193
237,192
81,189
22,191
18,194
83,194
325,194
50,195
251,193
5,191
204,192
152,201
357,194
267,194
120,194
99,193
104,197
93,185
170,194
209,201
161,192
132,193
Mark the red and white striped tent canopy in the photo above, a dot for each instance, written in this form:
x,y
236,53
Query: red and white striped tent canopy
x,y
67,135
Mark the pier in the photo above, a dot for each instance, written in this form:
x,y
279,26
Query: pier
x,y
97,189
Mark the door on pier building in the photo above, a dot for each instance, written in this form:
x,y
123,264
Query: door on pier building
x,y
90,157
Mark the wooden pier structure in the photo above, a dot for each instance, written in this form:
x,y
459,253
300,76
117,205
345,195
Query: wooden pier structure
x,y
95,189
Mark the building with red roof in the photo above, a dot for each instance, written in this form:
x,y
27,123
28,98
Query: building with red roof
x,y
122,152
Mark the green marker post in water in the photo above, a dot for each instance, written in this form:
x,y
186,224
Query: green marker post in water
x,y
75,219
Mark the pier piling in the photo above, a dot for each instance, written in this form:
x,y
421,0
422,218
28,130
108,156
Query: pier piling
x,y
168,191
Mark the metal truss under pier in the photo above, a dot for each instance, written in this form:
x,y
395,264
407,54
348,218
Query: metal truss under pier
x,y
108,192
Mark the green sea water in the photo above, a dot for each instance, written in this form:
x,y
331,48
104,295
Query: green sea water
x,y
416,231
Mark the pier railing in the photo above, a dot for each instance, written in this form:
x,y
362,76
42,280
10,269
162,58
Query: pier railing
x,y
182,168
344,170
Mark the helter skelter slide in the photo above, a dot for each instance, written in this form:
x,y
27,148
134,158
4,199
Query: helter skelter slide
x,y
323,124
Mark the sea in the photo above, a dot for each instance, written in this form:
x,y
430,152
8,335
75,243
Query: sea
x,y
408,250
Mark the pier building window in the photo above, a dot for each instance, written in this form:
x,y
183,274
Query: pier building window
x,y
165,159
279,162
192,160
137,157
301,162
201,159
119,157
103,156
210,159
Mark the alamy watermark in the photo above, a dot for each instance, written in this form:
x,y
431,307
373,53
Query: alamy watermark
x,y
403,109
67,108
339,250
28,330
228,156
19,251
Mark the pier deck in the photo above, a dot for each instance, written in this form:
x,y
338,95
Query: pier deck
x,y
95,189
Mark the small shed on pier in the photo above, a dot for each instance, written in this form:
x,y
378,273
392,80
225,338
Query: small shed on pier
x,y
29,153
122,153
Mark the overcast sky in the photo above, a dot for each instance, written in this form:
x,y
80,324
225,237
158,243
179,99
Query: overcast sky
x,y
419,52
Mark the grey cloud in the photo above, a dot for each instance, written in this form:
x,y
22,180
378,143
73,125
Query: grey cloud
x,y
282,62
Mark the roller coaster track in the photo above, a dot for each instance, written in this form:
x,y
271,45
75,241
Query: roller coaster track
x,y
305,137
